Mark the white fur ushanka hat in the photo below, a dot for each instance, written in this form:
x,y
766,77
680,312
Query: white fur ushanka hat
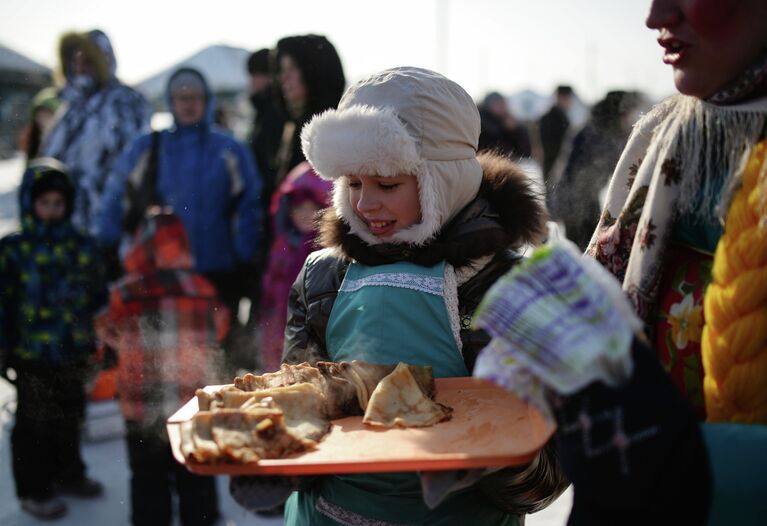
x,y
401,121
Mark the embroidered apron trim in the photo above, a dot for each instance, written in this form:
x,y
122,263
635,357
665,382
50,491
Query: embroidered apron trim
x,y
429,285
346,517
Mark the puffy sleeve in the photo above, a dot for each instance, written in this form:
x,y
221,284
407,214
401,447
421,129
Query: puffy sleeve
x,y
8,299
130,165
306,319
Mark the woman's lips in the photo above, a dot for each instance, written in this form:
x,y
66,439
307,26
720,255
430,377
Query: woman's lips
x,y
380,228
675,50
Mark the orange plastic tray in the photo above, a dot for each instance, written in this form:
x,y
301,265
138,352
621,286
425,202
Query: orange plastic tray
x,y
490,427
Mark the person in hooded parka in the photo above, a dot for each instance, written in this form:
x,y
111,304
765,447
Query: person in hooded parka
x,y
206,176
98,118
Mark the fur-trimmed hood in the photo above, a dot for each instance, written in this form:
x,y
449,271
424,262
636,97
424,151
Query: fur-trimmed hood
x,y
97,48
506,213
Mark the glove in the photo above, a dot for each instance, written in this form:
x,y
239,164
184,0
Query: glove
x,y
558,322
260,493
634,452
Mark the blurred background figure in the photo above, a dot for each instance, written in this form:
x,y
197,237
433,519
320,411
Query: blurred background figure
x,y
500,130
594,152
294,207
210,181
166,323
52,284
44,106
268,120
221,118
99,117
553,127
264,139
311,81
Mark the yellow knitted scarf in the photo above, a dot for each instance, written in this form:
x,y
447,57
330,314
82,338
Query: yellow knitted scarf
x,y
734,341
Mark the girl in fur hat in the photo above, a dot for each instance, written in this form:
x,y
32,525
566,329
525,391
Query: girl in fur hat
x,y
418,231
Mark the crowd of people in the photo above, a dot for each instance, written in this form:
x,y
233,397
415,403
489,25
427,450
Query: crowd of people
x,y
369,222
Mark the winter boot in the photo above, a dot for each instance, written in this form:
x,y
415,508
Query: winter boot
x,y
46,509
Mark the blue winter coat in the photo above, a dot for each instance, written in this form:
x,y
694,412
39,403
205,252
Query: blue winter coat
x,y
210,181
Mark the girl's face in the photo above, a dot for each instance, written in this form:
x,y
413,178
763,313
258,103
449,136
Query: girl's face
x,y
291,81
385,204
708,43
50,207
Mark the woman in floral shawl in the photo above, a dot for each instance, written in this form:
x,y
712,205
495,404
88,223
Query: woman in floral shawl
x,y
685,223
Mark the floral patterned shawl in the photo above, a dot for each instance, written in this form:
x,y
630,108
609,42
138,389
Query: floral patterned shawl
x,y
683,157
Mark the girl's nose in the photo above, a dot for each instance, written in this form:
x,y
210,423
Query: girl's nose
x,y
367,202
664,13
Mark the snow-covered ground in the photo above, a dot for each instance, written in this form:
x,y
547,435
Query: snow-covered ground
x,y
107,461
11,171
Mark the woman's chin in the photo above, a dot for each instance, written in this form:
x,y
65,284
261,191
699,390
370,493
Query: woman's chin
x,y
695,85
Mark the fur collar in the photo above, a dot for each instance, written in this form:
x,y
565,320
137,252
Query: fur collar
x,y
506,214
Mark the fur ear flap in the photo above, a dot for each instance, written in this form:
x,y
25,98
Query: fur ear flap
x,y
360,140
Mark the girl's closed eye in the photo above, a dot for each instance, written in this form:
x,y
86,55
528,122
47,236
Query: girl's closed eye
x,y
388,186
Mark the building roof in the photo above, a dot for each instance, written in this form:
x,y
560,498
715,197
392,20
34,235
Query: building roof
x,y
11,60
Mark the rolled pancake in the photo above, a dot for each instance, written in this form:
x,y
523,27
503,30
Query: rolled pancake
x,y
249,435
303,407
204,448
399,401
276,414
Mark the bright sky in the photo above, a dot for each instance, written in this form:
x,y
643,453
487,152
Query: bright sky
x,y
484,45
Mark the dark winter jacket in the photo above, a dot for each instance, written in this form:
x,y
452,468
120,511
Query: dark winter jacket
x,y
52,283
553,127
495,135
265,138
504,216
575,195
97,121
209,180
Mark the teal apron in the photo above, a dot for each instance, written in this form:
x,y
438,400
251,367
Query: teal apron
x,y
388,314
